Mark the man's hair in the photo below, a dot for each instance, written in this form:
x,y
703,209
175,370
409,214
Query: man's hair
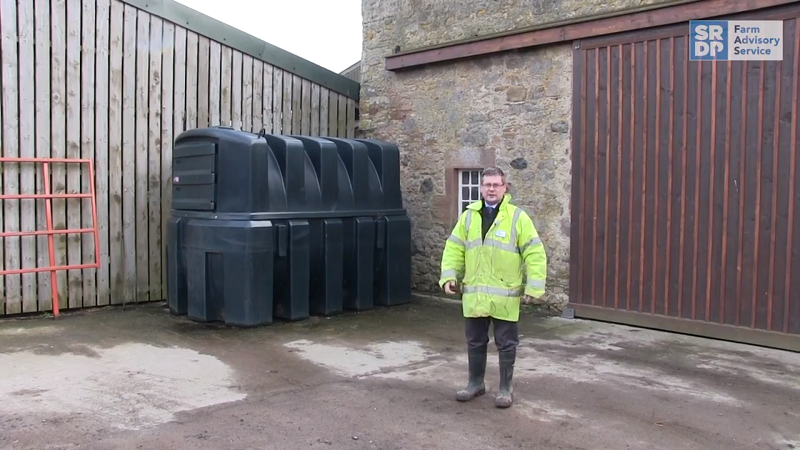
x,y
493,171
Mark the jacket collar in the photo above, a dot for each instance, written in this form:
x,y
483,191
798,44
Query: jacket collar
x,y
476,206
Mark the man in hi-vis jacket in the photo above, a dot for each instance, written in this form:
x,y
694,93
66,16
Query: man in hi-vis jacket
x,y
496,259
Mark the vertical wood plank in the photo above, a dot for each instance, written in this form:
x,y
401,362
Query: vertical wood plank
x,y
689,179
140,174
681,99
179,105
227,81
88,85
730,160
247,93
191,80
8,25
351,118
578,124
635,128
743,188
645,178
215,81
277,100
58,33
333,114
297,101
118,110
102,147
3,296
266,98
630,144
43,102
154,160
601,123
128,162
258,95
74,9
775,296
286,127
757,150
178,108
791,323
236,90
203,88
589,146
710,202
305,108
341,117
324,101
27,148
167,92
619,117
314,110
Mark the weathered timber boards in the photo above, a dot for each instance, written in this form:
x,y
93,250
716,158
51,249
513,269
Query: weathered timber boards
x,y
103,80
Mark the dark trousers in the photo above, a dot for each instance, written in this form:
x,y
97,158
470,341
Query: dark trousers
x,y
506,334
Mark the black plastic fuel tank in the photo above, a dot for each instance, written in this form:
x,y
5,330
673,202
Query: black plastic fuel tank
x,y
267,227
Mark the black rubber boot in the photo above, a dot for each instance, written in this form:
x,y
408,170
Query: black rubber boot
x,y
505,398
477,369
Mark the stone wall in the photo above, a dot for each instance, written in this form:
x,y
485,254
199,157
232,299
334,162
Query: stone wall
x,y
401,25
511,110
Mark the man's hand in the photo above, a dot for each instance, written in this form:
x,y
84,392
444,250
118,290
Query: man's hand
x,y
450,288
526,299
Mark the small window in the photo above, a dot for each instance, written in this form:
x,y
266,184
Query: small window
x,y
469,187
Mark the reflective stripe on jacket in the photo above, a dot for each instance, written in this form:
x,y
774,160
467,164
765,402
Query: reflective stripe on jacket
x,y
490,271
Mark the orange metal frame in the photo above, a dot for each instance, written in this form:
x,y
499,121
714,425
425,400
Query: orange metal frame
x,y
50,232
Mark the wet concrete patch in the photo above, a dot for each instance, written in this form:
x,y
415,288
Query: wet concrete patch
x,y
132,386
56,348
590,378
30,331
543,411
785,439
716,364
592,368
619,357
371,359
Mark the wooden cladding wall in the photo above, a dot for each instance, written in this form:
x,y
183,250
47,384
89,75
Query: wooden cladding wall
x,y
101,79
686,194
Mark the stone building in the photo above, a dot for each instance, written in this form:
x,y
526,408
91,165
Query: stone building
x,y
510,109
590,108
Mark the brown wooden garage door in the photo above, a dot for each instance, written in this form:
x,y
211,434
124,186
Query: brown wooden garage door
x,y
686,187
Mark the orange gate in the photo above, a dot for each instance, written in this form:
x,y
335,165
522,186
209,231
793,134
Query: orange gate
x,y
50,232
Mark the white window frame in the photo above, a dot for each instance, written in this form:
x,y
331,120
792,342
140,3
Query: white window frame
x,y
464,201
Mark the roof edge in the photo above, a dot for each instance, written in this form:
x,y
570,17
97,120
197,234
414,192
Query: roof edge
x,y
202,24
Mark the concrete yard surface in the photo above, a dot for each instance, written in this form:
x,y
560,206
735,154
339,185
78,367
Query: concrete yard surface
x,y
140,378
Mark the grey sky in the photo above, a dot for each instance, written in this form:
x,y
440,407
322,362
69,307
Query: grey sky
x,y
326,32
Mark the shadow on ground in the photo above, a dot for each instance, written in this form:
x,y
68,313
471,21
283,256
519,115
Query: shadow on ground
x,y
382,379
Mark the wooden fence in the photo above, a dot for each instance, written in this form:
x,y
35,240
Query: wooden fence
x,y
105,80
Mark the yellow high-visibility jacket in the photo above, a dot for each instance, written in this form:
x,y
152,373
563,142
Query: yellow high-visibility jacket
x,y
492,272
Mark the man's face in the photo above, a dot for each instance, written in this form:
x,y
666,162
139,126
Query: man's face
x,y
493,188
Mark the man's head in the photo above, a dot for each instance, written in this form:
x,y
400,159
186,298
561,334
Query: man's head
x,y
493,185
